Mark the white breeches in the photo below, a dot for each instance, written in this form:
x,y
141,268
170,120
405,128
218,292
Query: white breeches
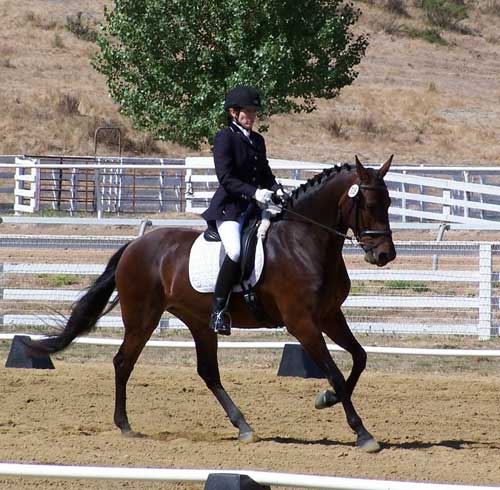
x,y
230,235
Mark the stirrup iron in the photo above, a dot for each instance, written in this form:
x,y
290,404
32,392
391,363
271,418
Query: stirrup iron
x,y
218,325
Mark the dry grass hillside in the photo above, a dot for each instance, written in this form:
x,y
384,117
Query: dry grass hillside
x,y
426,102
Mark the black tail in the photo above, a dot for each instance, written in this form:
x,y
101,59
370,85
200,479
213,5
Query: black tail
x,y
86,311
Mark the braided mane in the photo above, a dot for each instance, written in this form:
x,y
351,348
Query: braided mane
x,y
315,183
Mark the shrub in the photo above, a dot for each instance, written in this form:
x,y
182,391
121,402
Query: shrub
x,y
445,13
334,128
430,35
37,21
82,26
396,7
367,124
492,7
67,105
57,41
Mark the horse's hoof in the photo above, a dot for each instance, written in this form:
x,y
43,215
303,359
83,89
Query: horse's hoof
x,y
370,446
248,437
325,399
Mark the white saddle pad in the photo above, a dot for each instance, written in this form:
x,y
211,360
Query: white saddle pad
x,y
205,260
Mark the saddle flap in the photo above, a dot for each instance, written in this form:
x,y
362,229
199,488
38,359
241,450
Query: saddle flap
x,y
206,258
248,247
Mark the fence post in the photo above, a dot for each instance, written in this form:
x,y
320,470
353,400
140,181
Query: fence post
x,y
446,209
466,195
98,193
188,193
403,199
484,327
442,228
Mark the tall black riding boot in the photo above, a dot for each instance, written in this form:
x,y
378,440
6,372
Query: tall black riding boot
x,y
228,275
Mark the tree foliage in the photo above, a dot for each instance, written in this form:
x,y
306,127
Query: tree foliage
x,y
169,63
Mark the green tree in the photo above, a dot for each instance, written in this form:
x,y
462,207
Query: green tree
x,y
169,63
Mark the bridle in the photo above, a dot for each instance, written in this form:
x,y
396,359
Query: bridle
x,y
367,233
358,235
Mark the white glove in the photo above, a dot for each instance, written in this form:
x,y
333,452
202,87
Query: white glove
x,y
273,209
263,196
280,192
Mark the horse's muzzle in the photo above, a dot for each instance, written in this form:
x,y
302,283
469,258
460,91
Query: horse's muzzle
x,y
381,254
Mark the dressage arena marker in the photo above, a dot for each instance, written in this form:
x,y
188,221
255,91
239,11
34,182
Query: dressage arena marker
x,y
280,345
20,357
191,475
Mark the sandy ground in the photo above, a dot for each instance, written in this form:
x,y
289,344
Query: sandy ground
x,y
435,425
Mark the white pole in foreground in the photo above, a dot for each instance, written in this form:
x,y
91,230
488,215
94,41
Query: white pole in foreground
x,y
192,475
179,344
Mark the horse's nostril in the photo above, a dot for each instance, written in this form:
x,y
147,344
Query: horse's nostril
x,y
383,258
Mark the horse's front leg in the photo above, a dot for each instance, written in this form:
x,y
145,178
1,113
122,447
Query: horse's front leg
x,y
338,330
208,369
314,344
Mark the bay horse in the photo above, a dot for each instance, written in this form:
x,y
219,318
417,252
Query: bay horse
x,y
303,286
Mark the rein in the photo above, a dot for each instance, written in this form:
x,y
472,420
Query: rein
x,y
358,235
317,223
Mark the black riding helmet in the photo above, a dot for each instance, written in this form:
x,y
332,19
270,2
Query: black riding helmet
x,y
242,96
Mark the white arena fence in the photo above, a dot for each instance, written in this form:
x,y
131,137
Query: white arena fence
x,y
200,476
423,196
432,288
420,195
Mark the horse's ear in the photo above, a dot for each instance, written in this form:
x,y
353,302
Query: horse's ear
x,y
362,172
385,167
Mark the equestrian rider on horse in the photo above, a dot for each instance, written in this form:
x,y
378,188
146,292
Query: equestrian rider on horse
x,y
244,175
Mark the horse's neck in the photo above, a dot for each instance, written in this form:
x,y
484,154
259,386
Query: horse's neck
x,y
323,205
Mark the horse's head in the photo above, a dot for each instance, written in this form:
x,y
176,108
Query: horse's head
x,y
365,209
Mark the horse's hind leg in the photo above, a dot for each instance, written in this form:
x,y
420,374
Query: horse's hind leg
x,y
338,330
139,326
208,369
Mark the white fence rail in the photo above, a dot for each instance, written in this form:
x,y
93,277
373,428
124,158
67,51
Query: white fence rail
x,y
459,196
189,344
414,196
415,300
294,480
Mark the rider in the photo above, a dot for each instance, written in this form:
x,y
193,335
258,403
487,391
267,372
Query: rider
x,y
244,175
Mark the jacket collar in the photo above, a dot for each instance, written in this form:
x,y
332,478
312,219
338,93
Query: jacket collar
x,y
236,128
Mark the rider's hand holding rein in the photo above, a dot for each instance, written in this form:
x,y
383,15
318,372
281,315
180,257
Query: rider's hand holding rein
x,y
263,196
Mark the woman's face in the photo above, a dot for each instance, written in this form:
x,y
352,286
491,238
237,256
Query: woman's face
x,y
245,117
